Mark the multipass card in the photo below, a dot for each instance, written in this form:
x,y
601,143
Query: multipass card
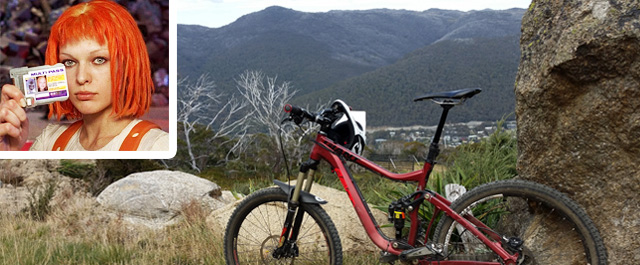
x,y
43,84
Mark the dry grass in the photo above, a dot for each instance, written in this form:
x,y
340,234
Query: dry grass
x,y
73,229
78,231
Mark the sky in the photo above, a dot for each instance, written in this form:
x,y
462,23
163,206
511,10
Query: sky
x,y
218,13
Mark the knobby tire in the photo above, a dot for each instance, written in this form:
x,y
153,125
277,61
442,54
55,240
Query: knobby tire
x,y
254,229
555,229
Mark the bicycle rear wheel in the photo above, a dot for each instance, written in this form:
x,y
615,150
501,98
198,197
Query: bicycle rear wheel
x,y
554,229
255,226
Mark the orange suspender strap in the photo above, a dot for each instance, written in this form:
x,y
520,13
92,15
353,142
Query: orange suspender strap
x,y
63,139
130,143
134,137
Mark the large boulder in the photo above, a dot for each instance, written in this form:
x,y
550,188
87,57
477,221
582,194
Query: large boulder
x,y
578,102
155,199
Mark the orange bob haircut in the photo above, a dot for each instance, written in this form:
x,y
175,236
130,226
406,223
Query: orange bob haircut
x,y
107,22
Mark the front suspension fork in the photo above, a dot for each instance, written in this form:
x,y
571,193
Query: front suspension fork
x,y
287,244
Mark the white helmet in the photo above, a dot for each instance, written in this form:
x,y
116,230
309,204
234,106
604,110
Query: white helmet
x,y
346,130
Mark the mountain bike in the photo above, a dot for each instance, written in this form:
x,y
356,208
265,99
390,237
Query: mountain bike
x,y
503,222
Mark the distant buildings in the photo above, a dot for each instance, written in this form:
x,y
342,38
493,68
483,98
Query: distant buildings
x,y
454,134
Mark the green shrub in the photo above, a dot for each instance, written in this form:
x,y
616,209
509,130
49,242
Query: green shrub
x,y
76,169
120,168
103,172
491,159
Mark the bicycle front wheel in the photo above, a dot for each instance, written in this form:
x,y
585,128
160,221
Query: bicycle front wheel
x,y
553,228
255,226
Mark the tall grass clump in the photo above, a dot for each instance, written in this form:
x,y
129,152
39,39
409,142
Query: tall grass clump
x,y
491,159
39,201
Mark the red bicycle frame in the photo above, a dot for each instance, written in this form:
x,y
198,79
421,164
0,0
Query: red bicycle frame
x,y
337,156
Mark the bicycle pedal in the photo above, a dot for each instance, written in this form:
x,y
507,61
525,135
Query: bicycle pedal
x,y
417,253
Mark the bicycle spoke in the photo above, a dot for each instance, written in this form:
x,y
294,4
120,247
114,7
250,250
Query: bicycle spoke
x,y
537,215
254,233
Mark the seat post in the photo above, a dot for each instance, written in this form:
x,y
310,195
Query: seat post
x,y
434,149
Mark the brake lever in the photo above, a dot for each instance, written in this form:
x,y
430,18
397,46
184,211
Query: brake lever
x,y
287,119
322,120
297,120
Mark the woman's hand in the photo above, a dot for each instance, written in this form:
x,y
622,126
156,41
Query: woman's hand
x,y
14,125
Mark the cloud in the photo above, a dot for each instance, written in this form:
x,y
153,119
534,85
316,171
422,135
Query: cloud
x,y
190,5
217,13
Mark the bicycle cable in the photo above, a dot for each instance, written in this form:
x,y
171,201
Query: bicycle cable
x,y
284,155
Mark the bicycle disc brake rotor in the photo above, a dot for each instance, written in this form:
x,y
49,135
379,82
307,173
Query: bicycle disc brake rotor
x,y
267,249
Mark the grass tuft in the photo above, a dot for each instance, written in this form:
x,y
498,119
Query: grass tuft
x,y
39,201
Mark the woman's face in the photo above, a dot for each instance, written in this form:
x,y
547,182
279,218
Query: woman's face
x,y
42,83
88,75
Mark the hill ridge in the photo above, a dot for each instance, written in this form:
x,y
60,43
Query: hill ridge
x,y
321,51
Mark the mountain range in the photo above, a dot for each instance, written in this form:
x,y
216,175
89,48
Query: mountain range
x,y
375,60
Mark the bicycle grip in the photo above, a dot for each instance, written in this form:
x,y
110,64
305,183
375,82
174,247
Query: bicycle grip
x,y
298,114
288,108
297,111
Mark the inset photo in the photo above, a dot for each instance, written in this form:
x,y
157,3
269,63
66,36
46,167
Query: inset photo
x,y
88,78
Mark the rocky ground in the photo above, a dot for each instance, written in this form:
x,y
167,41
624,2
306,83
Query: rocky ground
x,y
23,179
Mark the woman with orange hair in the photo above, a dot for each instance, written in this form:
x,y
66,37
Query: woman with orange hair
x,y
110,86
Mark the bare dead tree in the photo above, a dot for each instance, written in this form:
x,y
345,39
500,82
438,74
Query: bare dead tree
x,y
296,140
266,98
202,105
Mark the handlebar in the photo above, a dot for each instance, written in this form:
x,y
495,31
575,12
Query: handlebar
x,y
298,115
299,112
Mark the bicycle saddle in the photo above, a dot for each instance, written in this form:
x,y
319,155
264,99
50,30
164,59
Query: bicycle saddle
x,y
446,97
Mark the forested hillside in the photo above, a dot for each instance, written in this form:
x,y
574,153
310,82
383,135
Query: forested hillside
x,y
387,93
376,60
